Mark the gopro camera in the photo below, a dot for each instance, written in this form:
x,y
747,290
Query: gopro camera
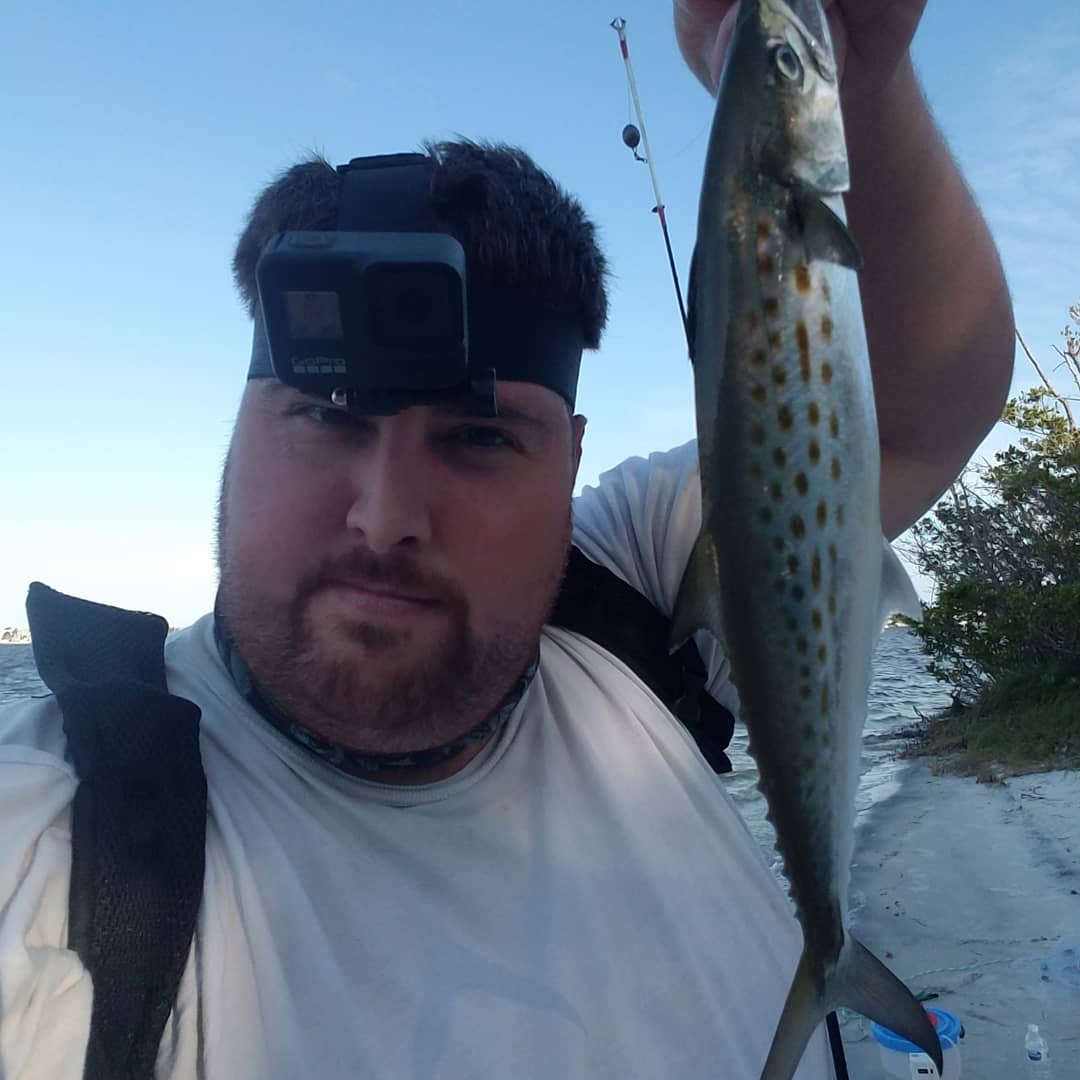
x,y
375,320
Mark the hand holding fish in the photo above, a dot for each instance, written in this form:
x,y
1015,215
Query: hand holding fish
x,y
870,39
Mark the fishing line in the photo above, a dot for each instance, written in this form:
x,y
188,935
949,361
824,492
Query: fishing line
x,y
701,131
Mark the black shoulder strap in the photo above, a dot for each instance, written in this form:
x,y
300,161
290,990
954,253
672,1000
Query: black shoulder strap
x,y
138,819
599,604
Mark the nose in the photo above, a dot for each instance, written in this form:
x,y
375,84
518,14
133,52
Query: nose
x,y
390,505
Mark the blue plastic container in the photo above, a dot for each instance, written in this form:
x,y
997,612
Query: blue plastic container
x,y
905,1060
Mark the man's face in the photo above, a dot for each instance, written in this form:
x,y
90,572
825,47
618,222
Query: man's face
x,y
386,578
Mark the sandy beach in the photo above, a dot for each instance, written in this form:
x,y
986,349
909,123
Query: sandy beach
x,y
972,891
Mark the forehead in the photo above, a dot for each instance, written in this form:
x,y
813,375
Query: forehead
x,y
521,400
526,396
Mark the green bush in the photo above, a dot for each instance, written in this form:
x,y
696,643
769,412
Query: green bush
x,y
1004,551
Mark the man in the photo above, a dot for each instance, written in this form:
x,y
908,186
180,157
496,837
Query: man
x,y
444,840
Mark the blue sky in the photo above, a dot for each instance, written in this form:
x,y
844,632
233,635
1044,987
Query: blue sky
x,y
136,136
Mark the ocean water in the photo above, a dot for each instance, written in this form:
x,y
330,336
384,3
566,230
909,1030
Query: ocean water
x,y
901,689
18,675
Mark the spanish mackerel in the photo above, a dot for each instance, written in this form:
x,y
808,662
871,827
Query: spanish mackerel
x,y
791,571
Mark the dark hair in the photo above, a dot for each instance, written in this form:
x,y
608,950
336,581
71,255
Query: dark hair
x,y
519,229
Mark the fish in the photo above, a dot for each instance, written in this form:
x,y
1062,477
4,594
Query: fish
x,y
791,573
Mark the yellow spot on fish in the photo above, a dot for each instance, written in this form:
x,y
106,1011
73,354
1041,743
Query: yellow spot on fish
x,y
834,425
779,375
779,458
825,699
836,468
826,327
832,554
822,513
813,413
815,571
822,653
784,417
757,358
775,339
815,618
798,526
814,451
758,393
826,371
802,340
825,290
802,278
802,485
771,307
757,435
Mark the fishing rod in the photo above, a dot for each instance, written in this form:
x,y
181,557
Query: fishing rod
x,y
631,136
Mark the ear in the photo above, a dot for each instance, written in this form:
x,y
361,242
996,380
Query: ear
x,y
577,434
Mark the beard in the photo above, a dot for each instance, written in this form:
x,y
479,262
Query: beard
x,y
369,686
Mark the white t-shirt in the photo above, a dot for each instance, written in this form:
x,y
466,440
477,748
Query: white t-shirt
x,y
581,901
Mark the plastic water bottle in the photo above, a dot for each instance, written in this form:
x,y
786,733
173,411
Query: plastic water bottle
x,y
1038,1055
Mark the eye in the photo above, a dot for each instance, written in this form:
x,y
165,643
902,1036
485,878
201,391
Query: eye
x,y
488,438
786,61
327,416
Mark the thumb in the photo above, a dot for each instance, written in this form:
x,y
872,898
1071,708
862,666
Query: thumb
x,y
703,29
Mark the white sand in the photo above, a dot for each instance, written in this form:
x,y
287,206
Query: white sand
x,y
973,891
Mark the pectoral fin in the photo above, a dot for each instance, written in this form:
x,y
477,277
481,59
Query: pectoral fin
x,y
824,234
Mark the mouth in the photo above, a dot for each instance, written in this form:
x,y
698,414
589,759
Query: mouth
x,y
379,599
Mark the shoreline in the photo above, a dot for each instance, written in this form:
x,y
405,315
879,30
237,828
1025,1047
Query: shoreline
x,y
971,892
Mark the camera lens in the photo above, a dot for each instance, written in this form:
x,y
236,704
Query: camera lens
x,y
414,305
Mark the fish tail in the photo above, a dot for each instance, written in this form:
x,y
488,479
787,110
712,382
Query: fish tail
x,y
803,1011
861,982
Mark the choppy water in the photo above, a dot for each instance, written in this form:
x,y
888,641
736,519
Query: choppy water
x,y
18,676
901,685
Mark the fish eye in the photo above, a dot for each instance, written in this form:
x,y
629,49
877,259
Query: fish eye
x,y
786,60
